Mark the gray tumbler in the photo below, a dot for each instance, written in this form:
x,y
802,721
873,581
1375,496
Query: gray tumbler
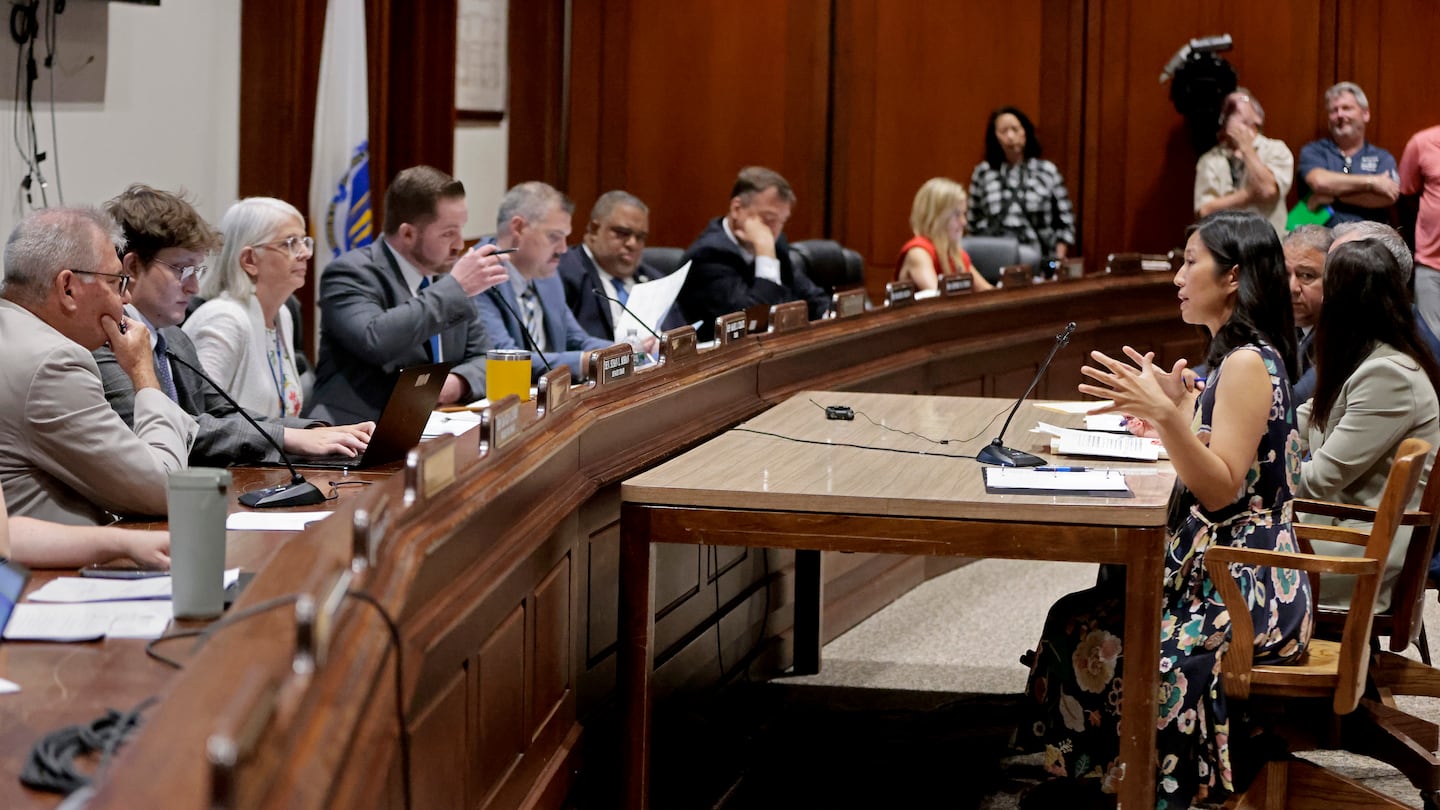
x,y
198,506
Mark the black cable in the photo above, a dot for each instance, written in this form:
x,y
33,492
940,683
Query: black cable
x,y
399,687
51,765
201,636
977,435
847,444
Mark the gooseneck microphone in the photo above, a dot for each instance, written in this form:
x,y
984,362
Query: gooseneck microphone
x,y
643,325
529,338
298,492
996,452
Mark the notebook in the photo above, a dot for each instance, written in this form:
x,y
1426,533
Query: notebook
x,y
401,423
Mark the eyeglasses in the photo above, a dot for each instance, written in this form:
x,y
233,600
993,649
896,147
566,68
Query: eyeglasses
x,y
125,279
299,246
189,271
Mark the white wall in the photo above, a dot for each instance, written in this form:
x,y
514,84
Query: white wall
x,y
482,151
170,118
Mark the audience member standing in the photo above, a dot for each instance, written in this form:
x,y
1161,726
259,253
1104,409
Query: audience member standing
x,y
1420,183
1015,192
1245,170
1353,177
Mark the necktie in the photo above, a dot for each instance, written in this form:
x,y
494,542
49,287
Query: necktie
x,y
433,344
531,305
162,369
622,294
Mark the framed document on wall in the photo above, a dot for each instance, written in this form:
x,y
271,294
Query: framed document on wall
x,y
480,59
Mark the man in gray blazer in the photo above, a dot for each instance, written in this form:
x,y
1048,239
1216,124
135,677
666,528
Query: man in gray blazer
x,y
404,301
166,242
65,455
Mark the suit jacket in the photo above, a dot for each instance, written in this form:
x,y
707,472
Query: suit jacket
x,y
224,436
371,327
1304,387
1387,400
231,339
581,278
65,455
722,281
561,329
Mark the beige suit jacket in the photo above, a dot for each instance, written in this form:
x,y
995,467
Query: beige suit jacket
x,y
65,455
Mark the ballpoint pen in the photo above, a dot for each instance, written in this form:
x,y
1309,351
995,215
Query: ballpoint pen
x,y
1060,469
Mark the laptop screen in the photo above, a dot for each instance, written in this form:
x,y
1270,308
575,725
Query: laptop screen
x,y
12,583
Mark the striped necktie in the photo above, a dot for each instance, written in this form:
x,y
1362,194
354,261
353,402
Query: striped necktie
x,y
162,368
531,305
433,344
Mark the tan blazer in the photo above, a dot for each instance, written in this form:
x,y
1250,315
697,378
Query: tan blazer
x,y
65,455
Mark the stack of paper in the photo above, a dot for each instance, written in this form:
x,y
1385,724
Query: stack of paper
x,y
85,609
1102,445
1029,478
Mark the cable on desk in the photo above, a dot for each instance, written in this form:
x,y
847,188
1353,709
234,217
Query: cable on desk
x,y
399,687
847,444
51,766
203,635
980,433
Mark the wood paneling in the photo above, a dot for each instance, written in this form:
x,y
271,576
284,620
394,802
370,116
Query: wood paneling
x,y
537,41
500,705
439,773
1388,49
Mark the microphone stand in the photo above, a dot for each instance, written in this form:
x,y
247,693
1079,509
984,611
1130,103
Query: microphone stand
x,y
529,339
298,492
996,452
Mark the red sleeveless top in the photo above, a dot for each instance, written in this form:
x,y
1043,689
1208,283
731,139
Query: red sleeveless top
x,y
929,247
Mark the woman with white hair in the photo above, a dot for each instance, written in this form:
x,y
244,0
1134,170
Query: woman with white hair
x,y
243,332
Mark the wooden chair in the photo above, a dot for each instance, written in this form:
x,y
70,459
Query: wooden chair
x,y
1329,671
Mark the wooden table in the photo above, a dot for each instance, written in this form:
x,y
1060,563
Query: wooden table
x,y
809,493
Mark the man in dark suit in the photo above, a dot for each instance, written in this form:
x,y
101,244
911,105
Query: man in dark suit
x,y
165,245
742,260
530,312
404,301
1305,250
608,260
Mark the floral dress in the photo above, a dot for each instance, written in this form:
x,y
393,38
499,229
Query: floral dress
x,y
1076,675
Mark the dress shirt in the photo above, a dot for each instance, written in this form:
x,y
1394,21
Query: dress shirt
x,y
766,267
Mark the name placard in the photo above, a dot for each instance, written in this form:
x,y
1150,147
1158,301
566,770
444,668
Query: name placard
x,y
611,364
757,318
437,465
789,316
1015,276
552,392
730,328
957,284
368,528
848,303
678,345
500,423
1071,269
1123,264
899,294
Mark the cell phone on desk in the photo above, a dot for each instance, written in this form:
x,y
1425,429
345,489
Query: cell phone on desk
x,y
107,572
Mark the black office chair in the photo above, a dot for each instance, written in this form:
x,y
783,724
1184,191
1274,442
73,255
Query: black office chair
x,y
829,264
665,260
990,253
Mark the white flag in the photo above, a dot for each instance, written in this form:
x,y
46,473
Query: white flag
x,y
340,166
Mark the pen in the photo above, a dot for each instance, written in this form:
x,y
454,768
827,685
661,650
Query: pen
x,y
1059,469
503,252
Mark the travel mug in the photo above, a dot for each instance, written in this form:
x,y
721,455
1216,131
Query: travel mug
x,y
507,371
198,505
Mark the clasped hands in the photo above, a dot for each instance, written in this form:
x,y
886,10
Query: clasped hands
x,y
1145,393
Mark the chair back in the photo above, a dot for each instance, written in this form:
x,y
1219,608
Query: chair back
x,y
990,253
1407,595
829,264
666,260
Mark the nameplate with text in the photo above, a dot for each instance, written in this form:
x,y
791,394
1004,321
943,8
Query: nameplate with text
x,y
957,284
678,345
730,328
552,392
500,423
437,465
848,303
899,294
789,316
612,364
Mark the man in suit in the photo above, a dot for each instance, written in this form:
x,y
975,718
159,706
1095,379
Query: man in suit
x,y
65,455
742,259
609,260
530,312
404,301
166,241
1305,251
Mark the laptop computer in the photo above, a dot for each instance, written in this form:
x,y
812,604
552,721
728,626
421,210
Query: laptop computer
x,y
401,423
12,583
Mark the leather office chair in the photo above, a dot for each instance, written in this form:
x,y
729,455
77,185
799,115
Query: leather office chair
x,y
990,253
1336,672
829,264
664,259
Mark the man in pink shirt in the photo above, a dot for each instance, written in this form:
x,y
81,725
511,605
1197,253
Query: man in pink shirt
x,y
1420,178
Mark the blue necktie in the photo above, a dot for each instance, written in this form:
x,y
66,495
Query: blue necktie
x,y
162,369
433,345
622,294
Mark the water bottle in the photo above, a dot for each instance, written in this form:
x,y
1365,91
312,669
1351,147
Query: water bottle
x,y
637,347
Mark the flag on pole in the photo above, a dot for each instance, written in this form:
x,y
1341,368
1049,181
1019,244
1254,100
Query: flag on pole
x,y
340,165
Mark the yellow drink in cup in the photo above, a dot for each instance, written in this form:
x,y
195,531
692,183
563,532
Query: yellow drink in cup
x,y
507,371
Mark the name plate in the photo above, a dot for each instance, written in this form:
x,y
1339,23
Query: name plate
x,y
500,423
1070,269
957,284
1123,264
552,392
730,328
1015,276
899,294
678,345
757,318
368,528
612,364
789,316
848,303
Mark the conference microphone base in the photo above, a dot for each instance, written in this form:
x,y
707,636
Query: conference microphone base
x,y
296,493
1002,456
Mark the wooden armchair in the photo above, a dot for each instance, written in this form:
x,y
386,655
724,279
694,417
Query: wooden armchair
x,y
1330,671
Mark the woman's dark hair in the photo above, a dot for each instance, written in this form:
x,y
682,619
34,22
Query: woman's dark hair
x,y
994,154
1263,312
1369,303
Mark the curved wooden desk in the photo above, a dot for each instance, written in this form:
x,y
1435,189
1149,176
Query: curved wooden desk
x,y
504,580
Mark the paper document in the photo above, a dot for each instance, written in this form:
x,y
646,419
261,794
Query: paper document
x,y
272,521
7,687
1106,422
650,302
91,589
1103,445
1028,478
88,621
1074,407
458,422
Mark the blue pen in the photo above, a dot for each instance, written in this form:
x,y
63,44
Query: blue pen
x,y
1060,469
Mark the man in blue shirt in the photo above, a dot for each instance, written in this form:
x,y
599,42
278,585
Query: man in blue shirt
x,y
1354,178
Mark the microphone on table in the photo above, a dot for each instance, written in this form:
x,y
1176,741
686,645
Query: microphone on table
x,y
298,492
996,452
642,323
529,338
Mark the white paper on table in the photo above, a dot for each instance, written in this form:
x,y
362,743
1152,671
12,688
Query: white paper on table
x,y
272,521
1074,407
8,687
441,423
1102,445
649,302
88,621
1106,422
93,589
1028,478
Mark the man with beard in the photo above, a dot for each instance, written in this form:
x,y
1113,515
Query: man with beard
x,y
1355,178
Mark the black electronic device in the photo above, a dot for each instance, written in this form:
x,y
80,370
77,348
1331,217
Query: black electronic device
x,y
996,452
839,412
